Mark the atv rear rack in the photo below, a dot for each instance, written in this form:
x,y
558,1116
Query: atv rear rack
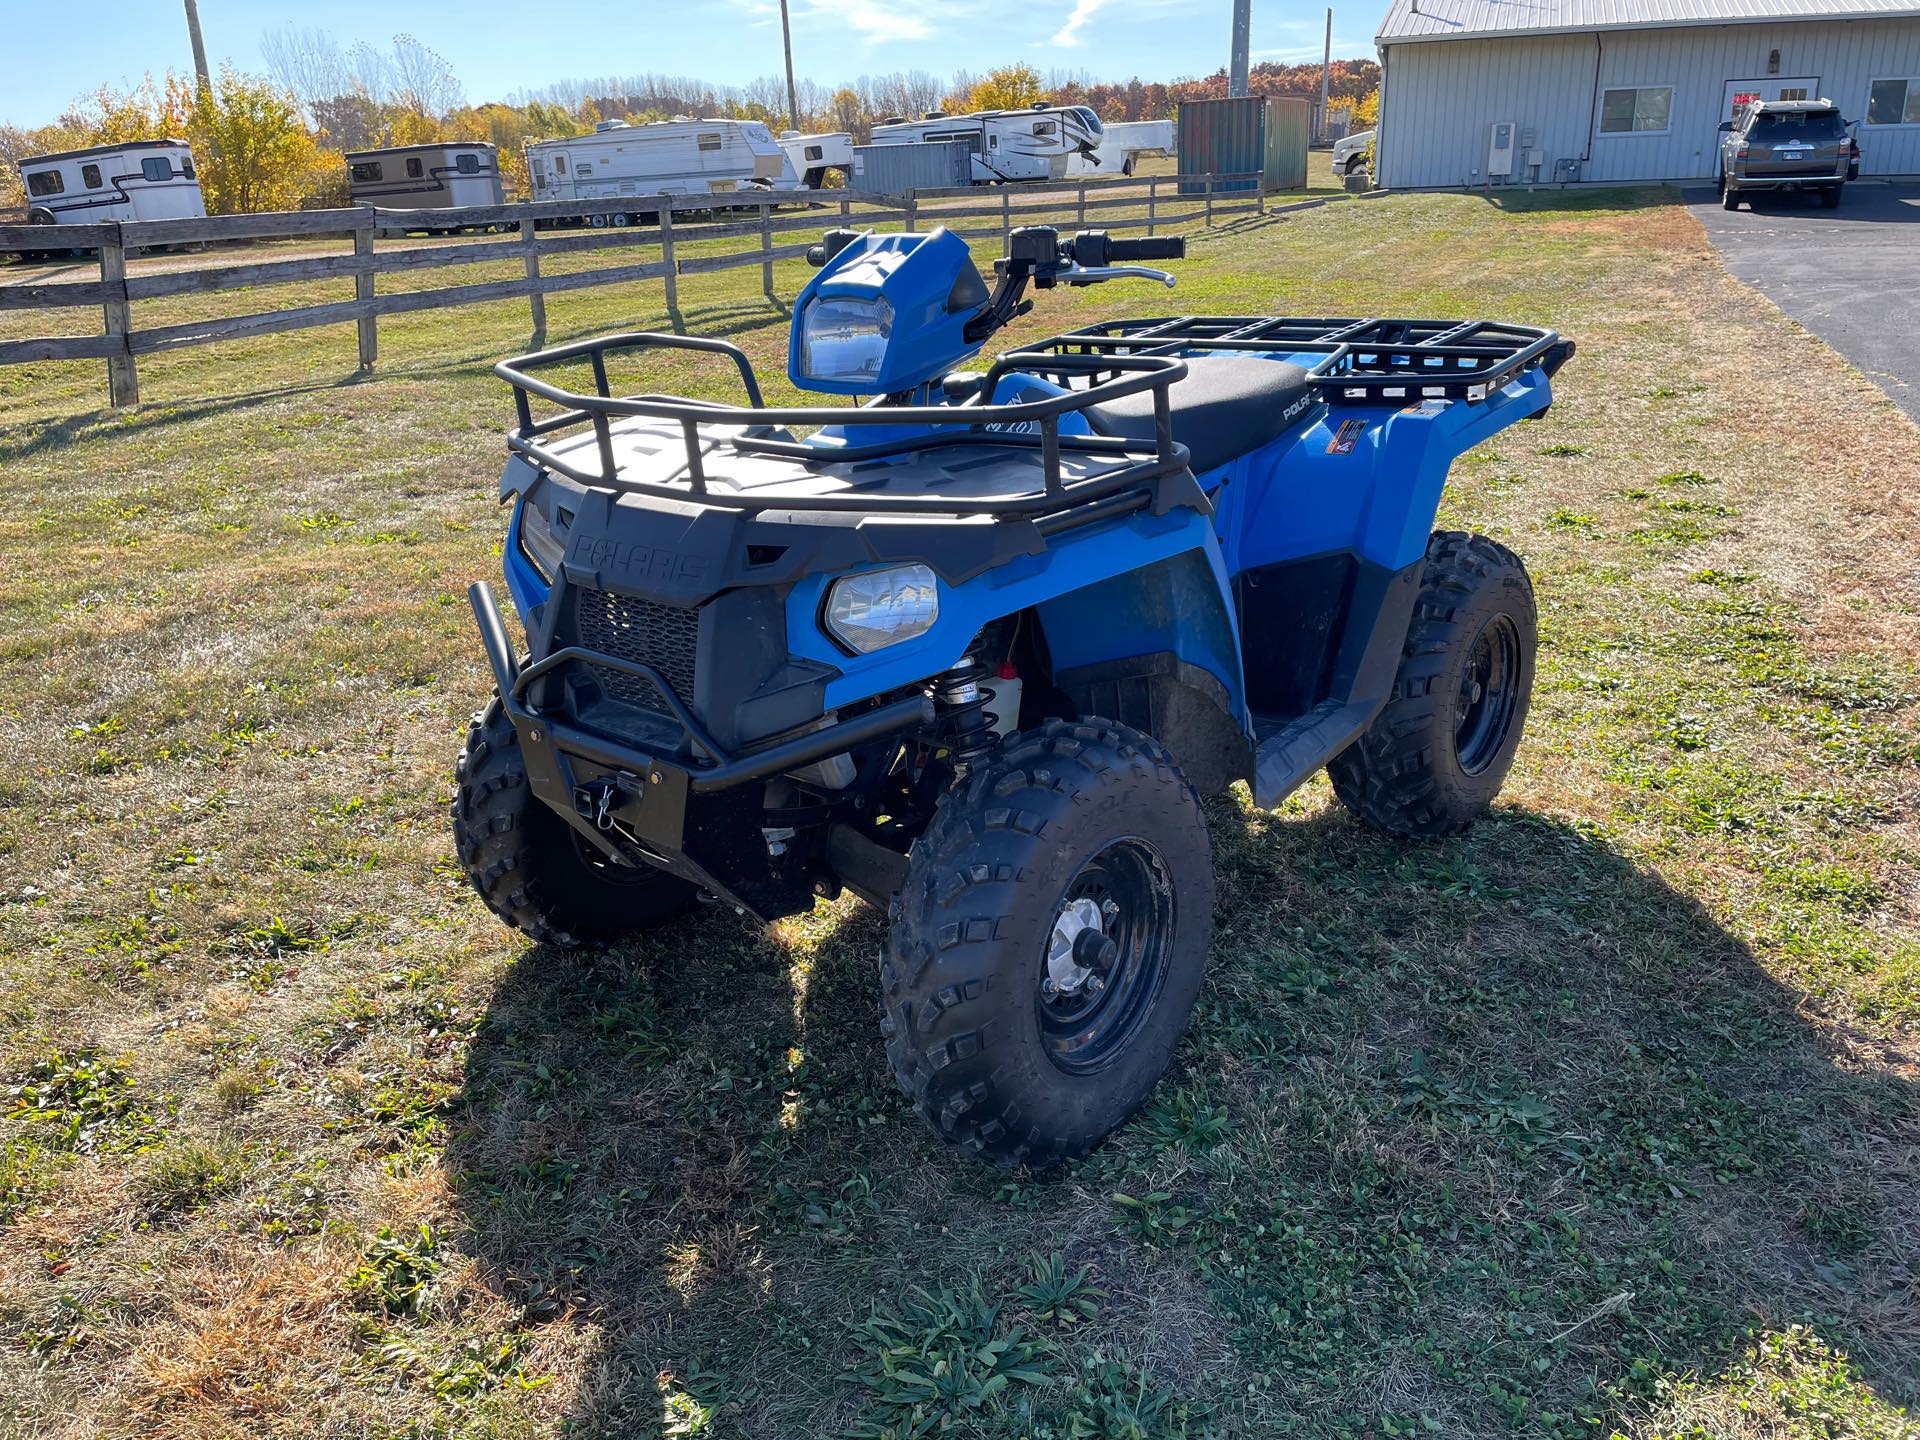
x,y
1072,470
1366,361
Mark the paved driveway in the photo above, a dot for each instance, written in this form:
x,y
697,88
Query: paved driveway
x,y
1851,276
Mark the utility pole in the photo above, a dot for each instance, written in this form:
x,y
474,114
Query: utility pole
x,y
1326,66
786,41
199,45
1242,26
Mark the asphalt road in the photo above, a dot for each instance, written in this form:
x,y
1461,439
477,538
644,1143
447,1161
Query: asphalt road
x,y
1851,276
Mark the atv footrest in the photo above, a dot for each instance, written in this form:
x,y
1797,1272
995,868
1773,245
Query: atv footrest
x,y
1290,750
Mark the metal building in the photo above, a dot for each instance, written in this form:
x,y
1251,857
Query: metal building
x,y
1487,92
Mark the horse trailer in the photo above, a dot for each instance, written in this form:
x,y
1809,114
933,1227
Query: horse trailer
x,y
135,180
1032,144
810,157
667,157
1121,144
426,177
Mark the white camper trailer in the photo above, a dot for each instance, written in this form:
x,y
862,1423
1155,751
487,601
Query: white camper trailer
x,y
1122,143
1031,144
810,157
137,180
426,177
668,157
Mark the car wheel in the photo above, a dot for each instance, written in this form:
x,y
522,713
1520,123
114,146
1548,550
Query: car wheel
x,y
1729,197
1830,197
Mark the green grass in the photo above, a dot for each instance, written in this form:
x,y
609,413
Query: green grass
x,y
1599,1118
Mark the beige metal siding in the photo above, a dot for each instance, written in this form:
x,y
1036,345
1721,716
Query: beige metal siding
x,y
1446,96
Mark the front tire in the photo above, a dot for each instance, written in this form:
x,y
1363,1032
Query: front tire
x,y
530,867
1048,944
1434,758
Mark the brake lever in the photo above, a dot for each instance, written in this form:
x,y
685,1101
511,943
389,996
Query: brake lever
x,y
1094,274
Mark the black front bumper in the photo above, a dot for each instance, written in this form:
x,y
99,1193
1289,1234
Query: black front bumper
x,y
644,807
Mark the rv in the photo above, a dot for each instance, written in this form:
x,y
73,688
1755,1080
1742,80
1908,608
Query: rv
x,y
668,157
426,177
1031,144
137,180
810,157
1120,145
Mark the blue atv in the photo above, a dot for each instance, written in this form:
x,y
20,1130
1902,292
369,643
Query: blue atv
x,y
972,644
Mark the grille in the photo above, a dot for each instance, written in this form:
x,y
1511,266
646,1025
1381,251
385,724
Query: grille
x,y
647,634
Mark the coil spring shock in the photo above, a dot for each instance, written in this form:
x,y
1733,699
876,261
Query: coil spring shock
x,y
965,722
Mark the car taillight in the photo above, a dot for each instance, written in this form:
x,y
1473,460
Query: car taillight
x,y
1743,152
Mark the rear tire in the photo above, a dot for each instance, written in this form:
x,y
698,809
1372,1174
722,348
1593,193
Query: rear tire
x,y
1434,758
1830,197
1008,892
1729,197
530,867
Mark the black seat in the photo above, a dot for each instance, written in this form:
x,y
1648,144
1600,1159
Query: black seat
x,y
1224,407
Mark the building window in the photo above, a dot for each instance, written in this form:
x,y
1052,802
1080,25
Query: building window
x,y
46,182
815,152
560,164
1894,102
414,168
467,164
369,170
710,142
90,176
1644,111
157,169
186,168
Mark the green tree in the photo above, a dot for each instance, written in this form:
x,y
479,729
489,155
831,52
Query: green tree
x,y
253,152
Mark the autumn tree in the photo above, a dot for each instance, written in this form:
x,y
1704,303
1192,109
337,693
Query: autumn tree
x,y
1011,87
252,149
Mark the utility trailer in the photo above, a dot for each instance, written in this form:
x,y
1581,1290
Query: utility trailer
x,y
136,180
668,157
1121,144
811,157
427,177
1008,145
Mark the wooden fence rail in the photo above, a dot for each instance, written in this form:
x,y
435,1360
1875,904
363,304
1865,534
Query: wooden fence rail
x,y
1197,198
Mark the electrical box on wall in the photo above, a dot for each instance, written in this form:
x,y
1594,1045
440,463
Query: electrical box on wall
x,y
1500,146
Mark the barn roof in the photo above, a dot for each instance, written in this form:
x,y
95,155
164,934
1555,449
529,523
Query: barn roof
x,y
1468,19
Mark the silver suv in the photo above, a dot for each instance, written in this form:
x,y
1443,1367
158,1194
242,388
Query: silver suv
x,y
1785,145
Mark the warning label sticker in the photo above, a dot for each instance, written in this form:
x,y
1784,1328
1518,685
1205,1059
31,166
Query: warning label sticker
x,y
1346,437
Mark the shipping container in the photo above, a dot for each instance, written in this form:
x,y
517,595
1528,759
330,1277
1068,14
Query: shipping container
x,y
1254,134
902,169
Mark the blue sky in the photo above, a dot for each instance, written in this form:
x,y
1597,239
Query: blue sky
x,y
50,55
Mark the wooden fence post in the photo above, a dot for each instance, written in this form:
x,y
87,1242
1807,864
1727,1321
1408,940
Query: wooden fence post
x,y
1153,193
534,297
1006,214
913,211
1081,223
766,248
123,381
368,323
666,256
1209,202
846,208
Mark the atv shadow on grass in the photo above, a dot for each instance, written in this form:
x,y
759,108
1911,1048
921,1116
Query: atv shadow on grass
x,y
1497,1131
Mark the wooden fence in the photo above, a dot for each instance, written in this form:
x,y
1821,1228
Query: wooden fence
x,y
121,342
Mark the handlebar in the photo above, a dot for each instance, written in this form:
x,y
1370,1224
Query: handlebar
x,y
1095,248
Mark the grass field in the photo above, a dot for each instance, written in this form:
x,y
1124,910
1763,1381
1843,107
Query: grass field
x,y
1604,1117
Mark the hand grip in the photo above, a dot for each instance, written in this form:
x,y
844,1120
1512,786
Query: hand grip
x,y
1157,247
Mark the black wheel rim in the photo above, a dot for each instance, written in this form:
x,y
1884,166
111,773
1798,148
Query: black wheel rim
x,y
596,863
1085,1025
1489,694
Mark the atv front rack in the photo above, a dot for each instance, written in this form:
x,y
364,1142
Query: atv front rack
x,y
1365,362
620,442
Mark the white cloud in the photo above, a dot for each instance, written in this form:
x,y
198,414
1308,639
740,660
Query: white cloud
x,y
880,22
1068,35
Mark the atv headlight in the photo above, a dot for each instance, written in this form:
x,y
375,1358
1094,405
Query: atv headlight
x,y
540,542
882,607
844,339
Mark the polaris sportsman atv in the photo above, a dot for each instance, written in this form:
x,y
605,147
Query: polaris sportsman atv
x,y
973,645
